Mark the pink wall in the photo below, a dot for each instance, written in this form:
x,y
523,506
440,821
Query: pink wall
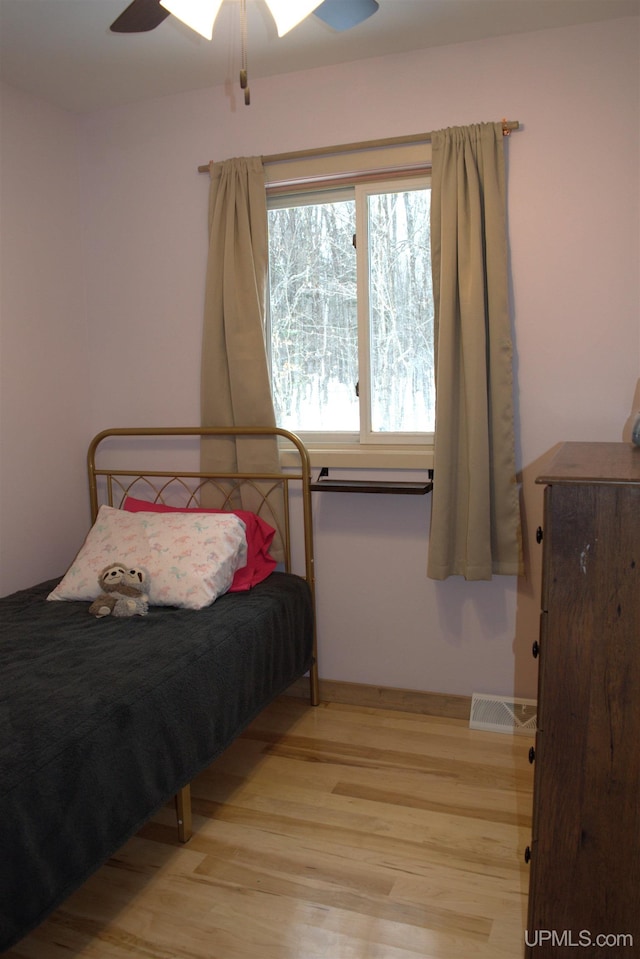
x,y
574,231
44,363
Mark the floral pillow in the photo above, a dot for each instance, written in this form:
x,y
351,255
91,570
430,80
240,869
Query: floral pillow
x,y
260,535
191,558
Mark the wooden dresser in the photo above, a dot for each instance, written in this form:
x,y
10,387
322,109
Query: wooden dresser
x,y
585,846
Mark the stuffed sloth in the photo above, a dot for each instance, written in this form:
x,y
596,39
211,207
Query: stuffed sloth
x,y
124,592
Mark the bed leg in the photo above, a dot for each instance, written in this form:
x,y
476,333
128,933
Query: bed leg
x,y
314,683
183,812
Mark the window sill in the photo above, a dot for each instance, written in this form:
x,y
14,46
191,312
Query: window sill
x,y
370,458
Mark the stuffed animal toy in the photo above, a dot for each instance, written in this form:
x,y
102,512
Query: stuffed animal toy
x,y
124,592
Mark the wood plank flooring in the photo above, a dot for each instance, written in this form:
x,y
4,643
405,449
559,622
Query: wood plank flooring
x,y
338,832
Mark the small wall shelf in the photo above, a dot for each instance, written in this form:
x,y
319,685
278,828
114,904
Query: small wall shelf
x,y
324,484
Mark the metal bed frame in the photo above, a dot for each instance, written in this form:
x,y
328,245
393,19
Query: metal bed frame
x,y
269,495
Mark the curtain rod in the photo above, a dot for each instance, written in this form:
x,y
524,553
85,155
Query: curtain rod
x,y
507,127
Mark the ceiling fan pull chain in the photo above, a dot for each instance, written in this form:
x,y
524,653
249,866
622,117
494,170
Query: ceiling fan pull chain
x,y
244,78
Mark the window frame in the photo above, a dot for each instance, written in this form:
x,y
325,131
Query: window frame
x,y
370,170
368,436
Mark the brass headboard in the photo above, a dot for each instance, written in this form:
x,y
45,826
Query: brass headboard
x,y
283,498
116,470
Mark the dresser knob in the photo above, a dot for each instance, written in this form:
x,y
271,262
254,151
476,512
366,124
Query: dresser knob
x,y
532,755
535,649
527,855
539,534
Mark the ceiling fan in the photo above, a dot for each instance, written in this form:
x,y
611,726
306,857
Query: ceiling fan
x,y
143,15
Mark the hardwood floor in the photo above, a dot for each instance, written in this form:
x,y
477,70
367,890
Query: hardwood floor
x,y
338,832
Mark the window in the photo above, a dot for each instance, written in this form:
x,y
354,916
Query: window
x,y
350,328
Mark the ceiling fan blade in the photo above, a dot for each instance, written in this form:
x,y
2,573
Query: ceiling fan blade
x,y
140,16
344,14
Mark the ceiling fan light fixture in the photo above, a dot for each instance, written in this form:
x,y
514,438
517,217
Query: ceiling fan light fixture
x,y
289,13
199,15
345,14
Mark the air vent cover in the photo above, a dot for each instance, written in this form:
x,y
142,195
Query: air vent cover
x,y
503,715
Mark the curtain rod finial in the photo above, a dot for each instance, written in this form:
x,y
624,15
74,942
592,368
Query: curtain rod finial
x,y
508,126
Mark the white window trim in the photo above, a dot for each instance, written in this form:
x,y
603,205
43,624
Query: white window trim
x,y
306,175
364,457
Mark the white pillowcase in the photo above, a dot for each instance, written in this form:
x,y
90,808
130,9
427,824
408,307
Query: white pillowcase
x,y
190,558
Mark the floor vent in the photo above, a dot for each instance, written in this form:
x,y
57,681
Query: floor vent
x,y
502,715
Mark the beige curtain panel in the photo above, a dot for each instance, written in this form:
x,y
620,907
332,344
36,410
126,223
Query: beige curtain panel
x,y
235,388
475,518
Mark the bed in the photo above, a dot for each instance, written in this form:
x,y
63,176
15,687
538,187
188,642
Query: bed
x,y
107,719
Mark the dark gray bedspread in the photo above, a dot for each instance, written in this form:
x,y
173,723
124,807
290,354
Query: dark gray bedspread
x,y
102,721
